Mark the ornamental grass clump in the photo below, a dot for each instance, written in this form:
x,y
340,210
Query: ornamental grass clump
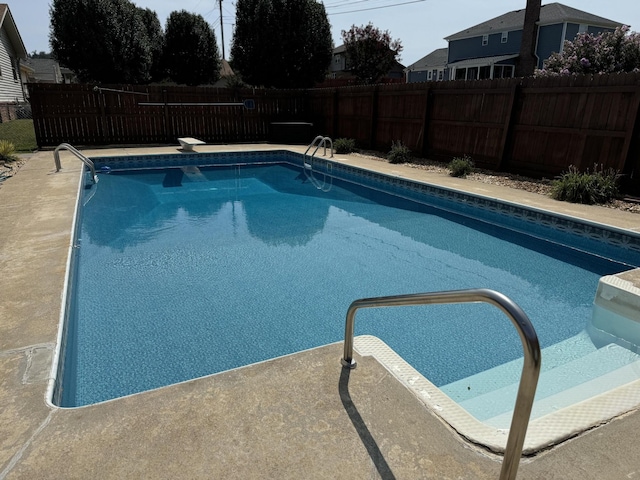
x,y
399,153
597,187
7,151
460,166
344,145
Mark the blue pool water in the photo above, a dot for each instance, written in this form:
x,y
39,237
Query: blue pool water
x,y
181,273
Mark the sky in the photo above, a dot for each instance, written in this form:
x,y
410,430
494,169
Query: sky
x,y
420,25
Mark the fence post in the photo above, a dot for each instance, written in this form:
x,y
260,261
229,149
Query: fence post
x,y
630,148
166,116
103,117
373,126
336,106
507,129
424,132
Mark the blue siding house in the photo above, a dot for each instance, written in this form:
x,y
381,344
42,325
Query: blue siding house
x,y
491,49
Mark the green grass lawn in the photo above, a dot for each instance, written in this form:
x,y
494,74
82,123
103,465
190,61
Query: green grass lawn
x,y
20,133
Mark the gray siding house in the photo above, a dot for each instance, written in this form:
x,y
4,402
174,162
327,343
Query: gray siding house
x,y
12,52
431,68
491,49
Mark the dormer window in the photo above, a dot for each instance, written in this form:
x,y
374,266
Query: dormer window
x,y
485,40
505,37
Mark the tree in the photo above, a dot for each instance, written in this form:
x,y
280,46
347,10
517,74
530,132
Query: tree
x,y
370,52
281,43
607,52
40,54
155,36
191,51
101,40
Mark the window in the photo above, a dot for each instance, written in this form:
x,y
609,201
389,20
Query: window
x,y
435,74
505,37
429,76
485,40
503,71
440,75
14,69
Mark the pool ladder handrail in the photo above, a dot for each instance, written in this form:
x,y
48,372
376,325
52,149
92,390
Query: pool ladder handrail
x,y
72,149
321,141
528,337
307,167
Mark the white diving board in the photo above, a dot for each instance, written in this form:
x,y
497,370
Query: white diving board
x,y
187,143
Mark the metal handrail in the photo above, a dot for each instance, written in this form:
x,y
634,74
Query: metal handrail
x,y
528,337
72,149
321,141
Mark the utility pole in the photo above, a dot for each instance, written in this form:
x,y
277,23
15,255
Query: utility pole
x,y
527,60
221,29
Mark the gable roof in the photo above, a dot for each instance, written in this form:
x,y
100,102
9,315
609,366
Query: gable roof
x,y
549,14
438,58
7,22
45,69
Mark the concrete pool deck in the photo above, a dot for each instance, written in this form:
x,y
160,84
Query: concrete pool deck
x,y
300,416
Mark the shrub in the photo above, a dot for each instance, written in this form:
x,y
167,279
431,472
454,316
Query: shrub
x,y
7,151
601,186
460,166
344,145
399,153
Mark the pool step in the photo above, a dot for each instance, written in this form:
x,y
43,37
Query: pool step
x,y
577,380
508,373
570,396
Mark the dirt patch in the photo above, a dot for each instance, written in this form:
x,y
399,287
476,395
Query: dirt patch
x,y
542,187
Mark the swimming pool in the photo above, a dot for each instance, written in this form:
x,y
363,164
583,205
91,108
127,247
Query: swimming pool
x,y
191,270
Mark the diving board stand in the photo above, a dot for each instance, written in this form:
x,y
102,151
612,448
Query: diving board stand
x,y
187,143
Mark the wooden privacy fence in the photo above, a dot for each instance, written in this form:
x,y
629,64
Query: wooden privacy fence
x,y
133,114
532,126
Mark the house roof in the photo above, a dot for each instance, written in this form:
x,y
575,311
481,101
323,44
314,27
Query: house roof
x,y
225,69
7,22
549,14
45,69
437,58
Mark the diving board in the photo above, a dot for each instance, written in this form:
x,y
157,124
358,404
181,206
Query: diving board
x,y
187,143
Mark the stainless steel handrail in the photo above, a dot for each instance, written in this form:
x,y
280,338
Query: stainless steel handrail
x,y
320,140
85,160
313,144
528,337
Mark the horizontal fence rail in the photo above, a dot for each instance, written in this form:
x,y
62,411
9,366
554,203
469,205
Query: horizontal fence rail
x,y
532,126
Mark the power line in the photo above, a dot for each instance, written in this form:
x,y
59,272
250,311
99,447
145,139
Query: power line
x,y
377,8
342,4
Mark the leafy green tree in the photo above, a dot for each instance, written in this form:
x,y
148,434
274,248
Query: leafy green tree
x,y
191,52
40,54
281,43
101,40
607,52
155,36
371,53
